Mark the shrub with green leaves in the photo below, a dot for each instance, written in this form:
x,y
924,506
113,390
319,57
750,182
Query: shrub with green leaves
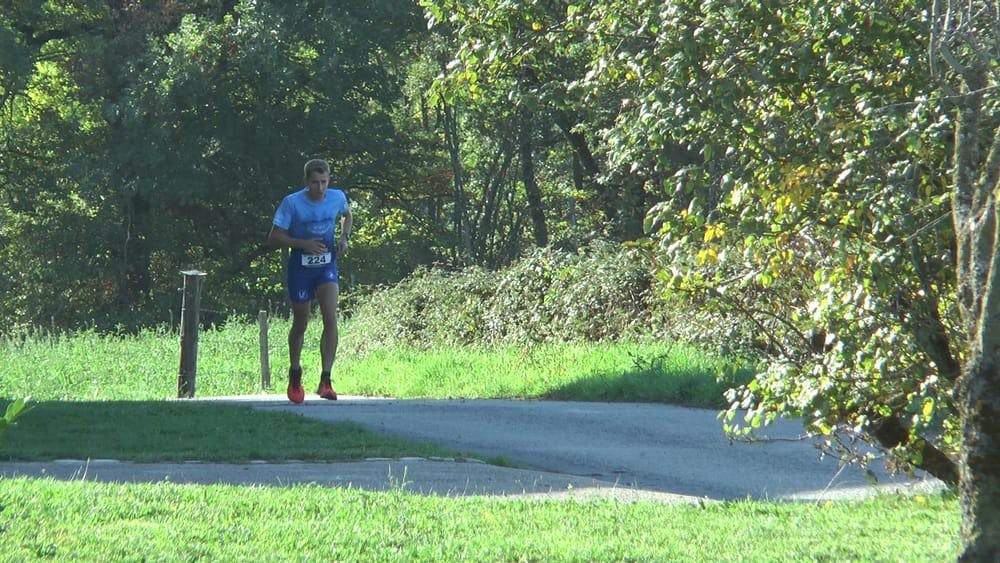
x,y
601,292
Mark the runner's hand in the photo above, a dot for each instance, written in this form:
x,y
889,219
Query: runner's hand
x,y
314,246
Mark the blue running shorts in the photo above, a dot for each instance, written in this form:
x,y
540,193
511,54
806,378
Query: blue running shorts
x,y
302,281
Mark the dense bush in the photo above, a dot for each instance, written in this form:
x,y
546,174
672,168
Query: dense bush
x,y
601,292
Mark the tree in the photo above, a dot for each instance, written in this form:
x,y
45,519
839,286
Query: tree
x,y
497,147
522,57
820,214
796,150
965,46
812,212
526,143
153,136
47,126
804,158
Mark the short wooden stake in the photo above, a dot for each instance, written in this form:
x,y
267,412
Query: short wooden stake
x,y
190,311
265,362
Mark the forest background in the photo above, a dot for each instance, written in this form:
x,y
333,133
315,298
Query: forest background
x,y
784,178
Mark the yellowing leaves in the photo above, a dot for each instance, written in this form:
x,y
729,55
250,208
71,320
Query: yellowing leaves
x,y
782,258
798,187
710,254
928,407
714,232
707,256
823,428
782,204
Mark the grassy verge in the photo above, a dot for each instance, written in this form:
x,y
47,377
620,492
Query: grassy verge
x,y
98,522
103,397
87,366
672,374
178,431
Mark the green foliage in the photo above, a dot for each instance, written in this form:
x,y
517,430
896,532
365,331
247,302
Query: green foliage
x,y
815,212
798,152
511,75
161,137
601,292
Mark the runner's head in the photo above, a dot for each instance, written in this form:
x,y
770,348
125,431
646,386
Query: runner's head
x,y
315,165
317,176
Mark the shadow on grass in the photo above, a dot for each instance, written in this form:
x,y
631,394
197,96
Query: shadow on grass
x,y
654,384
182,431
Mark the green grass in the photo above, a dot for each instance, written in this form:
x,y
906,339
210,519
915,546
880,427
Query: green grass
x,y
179,431
92,386
105,397
88,366
672,374
92,521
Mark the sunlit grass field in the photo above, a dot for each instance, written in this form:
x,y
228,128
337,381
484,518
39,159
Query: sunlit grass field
x,y
169,522
87,387
89,366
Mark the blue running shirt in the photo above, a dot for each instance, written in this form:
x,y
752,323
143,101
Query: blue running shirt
x,y
306,219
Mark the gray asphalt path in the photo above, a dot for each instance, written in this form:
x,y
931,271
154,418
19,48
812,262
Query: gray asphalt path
x,y
650,447
563,450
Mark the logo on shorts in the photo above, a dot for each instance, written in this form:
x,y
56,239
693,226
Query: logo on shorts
x,y
303,294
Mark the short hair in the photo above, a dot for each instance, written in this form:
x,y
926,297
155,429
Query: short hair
x,y
315,165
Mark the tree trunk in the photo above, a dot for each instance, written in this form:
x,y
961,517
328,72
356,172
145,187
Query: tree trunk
x,y
461,225
136,283
634,208
534,195
487,222
979,396
606,198
974,210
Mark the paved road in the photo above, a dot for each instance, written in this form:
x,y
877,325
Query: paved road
x,y
566,449
650,447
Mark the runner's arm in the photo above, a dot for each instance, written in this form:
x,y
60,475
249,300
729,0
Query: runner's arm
x,y
279,238
346,226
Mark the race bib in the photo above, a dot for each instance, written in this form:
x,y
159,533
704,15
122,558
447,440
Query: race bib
x,y
317,260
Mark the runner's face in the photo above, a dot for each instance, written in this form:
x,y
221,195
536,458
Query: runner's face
x,y
317,184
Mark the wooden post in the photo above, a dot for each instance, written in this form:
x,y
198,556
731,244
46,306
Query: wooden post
x,y
265,362
190,309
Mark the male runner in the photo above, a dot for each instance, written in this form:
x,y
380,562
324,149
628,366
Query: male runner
x,y
306,222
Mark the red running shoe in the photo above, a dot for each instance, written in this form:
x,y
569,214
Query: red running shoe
x,y
296,393
326,391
